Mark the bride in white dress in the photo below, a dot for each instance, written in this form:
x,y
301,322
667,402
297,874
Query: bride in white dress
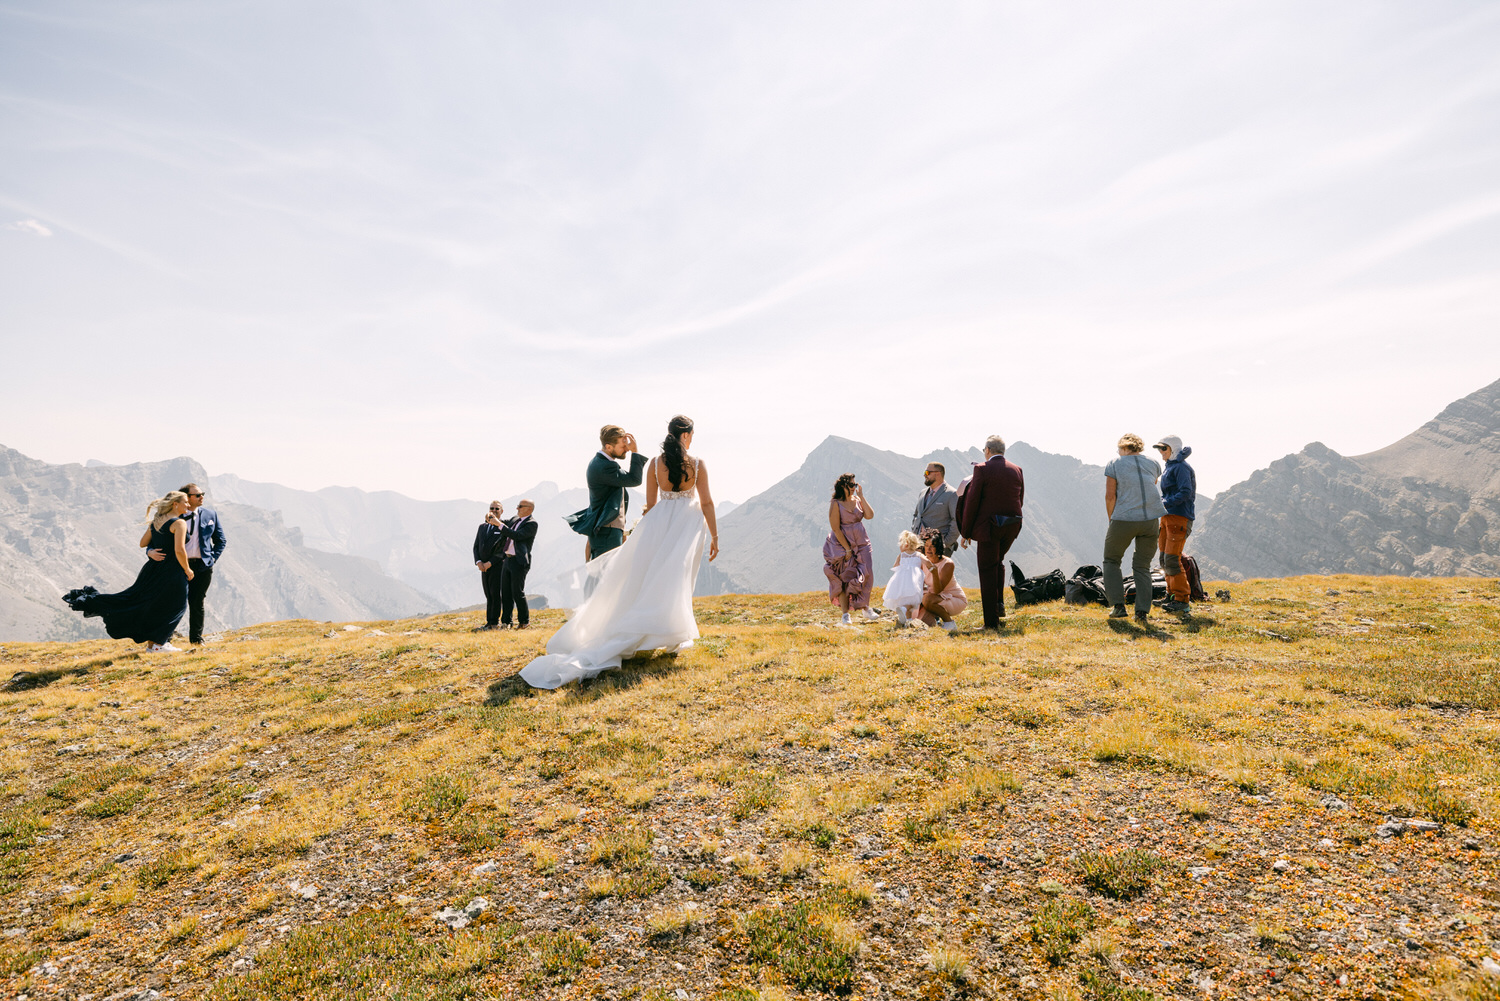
x,y
643,598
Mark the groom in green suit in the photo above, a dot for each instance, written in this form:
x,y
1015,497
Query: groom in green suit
x,y
603,521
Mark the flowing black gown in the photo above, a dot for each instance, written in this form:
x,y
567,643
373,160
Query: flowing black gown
x,y
148,610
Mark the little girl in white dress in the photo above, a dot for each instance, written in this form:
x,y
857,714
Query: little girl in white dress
x,y
903,592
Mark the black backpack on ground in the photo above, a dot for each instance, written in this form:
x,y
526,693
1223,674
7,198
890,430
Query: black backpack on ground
x,y
1034,590
1085,587
1195,582
1158,586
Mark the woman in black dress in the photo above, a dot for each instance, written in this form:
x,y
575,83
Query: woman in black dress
x,y
148,610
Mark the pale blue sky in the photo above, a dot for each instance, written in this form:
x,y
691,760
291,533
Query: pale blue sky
x,y
432,247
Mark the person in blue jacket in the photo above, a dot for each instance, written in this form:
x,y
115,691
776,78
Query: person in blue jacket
x,y
1179,490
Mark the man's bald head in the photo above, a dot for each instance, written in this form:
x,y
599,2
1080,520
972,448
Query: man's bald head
x,y
525,507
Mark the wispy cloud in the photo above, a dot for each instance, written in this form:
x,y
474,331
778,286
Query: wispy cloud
x,y
29,226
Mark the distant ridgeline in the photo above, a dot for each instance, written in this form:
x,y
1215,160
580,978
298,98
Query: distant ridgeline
x,y
70,525
1428,504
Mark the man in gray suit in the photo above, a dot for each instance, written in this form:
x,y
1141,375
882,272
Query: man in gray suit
x,y
937,508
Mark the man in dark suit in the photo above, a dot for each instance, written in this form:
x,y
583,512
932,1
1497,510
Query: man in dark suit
x,y
603,521
990,514
205,543
512,552
489,566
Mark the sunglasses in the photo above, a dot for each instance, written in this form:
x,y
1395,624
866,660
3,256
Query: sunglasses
x,y
195,495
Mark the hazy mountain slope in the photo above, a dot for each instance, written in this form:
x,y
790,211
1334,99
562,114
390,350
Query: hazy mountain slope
x,y
70,525
1459,448
1428,504
773,542
425,544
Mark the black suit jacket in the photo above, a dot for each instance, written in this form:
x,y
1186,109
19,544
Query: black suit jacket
x,y
484,542
522,535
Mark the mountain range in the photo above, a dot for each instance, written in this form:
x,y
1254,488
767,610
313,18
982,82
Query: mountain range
x,y
70,525
1428,504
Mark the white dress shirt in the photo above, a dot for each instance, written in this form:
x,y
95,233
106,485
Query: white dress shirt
x,y
193,544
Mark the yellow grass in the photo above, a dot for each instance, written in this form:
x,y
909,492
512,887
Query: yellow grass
x,y
779,760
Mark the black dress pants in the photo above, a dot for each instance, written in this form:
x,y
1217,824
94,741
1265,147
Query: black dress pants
x,y
491,579
197,588
513,591
991,559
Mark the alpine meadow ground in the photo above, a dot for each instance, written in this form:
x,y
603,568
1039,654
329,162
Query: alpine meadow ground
x,y
1293,794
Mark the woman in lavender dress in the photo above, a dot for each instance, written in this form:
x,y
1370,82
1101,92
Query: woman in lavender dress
x,y
848,560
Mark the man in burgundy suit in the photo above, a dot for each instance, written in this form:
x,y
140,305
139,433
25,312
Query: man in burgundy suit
x,y
990,514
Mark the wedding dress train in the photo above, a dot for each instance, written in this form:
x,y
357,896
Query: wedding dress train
x,y
642,597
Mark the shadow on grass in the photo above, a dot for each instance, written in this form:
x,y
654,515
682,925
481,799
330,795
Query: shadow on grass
x,y
632,672
629,674
1132,630
23,681
504,691
1008,629
1197,623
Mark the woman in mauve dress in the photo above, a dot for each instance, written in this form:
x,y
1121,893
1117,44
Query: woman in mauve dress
x,y
848,561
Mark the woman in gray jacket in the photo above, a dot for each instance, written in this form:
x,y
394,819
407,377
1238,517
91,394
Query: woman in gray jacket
x,y
1134,508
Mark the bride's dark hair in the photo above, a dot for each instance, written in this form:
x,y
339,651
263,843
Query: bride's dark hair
x,y
843,487
672,452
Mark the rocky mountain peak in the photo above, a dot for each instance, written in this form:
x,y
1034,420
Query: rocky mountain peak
x,y
1428,504
1460,447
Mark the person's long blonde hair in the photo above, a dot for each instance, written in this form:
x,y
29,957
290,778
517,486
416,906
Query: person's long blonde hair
x,y
159,508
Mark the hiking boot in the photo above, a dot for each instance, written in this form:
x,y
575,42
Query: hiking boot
x,y
846,621
1142,619
1118,612
1176,607
871,615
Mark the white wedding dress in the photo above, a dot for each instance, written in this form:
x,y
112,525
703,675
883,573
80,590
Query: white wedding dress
x,y
642,598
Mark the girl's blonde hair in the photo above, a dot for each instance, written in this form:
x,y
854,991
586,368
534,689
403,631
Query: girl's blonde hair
x,y
908,538
159,508
1131,443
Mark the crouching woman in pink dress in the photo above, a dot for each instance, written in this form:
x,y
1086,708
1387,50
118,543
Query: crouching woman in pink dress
x,y
942,598
848,560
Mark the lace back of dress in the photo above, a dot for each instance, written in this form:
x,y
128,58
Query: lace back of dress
x,y
679,494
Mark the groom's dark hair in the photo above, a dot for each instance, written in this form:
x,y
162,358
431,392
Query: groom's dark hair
x,y
610,433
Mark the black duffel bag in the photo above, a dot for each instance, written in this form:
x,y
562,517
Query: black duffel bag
x,y
1158,587
1035,590
1085,587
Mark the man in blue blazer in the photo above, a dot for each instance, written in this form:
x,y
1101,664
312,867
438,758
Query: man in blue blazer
x,y
205,543
603,521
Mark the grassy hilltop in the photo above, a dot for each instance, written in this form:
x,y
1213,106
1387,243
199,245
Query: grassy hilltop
x,y
1076,809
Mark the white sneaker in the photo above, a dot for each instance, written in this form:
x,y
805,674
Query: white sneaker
x,y
846,621
169,648
950,626
871,615
901,617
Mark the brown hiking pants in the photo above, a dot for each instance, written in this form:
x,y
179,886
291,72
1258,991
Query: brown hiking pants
x,y
1170,540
